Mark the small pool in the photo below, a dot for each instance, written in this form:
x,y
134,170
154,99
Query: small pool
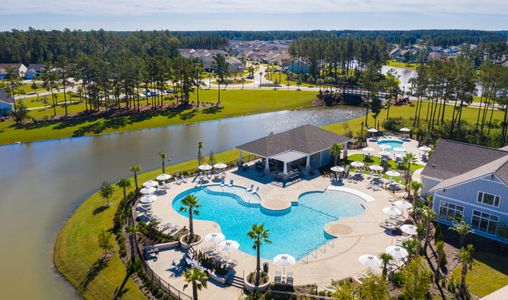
x,y
296,232
392,143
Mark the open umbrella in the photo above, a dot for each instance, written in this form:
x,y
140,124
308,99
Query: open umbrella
x,y
220,166
205,167
357,164
399,155
376,168
163,177
384,146
406,130
368,149
370,261
284,260
337,169
408,229
425,148
228,246
147,199
403,204
372,130
400,149
150,183
384,153
214,237
397,252
393,173
147,190
392,211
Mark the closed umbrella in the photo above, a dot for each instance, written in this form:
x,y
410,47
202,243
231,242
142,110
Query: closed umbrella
x,y
220,166
150,183
228,246
376,168
425,148
214,237
370,261
405,130
403,204
392,211
284,260
357,164
205,167
408,229
372,130
147,199
147,190
397,252
163,177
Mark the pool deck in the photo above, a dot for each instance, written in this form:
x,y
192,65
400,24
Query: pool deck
x,y
336,260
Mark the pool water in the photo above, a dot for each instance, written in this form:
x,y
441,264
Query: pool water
x,y
295,232
392,143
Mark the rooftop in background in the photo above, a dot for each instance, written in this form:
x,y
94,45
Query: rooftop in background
x,y
306,139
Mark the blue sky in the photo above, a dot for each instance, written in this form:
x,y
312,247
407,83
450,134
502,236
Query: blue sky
x,y
253,15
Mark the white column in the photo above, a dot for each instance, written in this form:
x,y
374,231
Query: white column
x,y
285,167
267,165
240,159
307,164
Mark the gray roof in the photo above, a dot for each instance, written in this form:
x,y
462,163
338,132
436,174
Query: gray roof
x,y
499,167
36,67
4,97
450,159
307,139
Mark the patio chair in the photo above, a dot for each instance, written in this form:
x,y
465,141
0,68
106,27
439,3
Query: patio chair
x,y
184,180
278,278
231,182
222,183
289,278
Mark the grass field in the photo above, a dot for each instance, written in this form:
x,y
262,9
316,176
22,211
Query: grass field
x,y
76,250
397,64
235,103
489,273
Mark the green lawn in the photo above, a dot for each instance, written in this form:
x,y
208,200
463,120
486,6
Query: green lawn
x,y
235,102
38,101
376,160
76,247
490,273
397,64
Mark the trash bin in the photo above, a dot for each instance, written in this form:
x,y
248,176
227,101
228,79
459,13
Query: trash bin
x,y
265,267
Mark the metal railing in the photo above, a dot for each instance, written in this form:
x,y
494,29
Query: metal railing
x,y
314,253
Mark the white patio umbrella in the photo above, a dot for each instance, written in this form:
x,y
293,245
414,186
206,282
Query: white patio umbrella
x,y
425,148
400,149
393,173
392,211
284,260
205,167
403,204
147,190
372,130
150,183
368,149
399,155
337,169
147,199
405,130
408,229
376,168
164,177
228,246
397,252
220,166
357,164
384,146
384,153
370,261
214,237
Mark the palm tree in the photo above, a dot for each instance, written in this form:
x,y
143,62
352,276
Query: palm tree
x,y
409,160
190,204
415,186
336,150
163,155
124,183
259,235
221,67
466,259
135,169
385,258
427,215
462,229
197,279
200,153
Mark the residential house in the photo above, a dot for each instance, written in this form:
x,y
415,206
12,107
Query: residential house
x,y
6,103
33,71
4,69
234,64
470,183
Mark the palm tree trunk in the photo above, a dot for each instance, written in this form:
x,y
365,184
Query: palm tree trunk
x,y
194,291
258,264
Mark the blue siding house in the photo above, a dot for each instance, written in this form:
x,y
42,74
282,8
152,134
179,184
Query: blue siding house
x,y
469,183
6,103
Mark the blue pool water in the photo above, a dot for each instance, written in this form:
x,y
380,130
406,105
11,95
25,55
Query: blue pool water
x,y
392,143
296,232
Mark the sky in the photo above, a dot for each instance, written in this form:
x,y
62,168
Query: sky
x,y
254,14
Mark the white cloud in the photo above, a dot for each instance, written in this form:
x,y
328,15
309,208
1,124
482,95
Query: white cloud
x,y
146,7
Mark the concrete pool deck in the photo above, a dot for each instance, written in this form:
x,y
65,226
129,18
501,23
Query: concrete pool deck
x,y
336,260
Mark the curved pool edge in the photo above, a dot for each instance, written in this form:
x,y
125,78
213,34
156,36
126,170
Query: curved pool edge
x,y
365,197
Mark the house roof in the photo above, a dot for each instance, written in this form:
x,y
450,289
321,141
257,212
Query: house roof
x,y
11,65
451,158
36,67
499,167
306,139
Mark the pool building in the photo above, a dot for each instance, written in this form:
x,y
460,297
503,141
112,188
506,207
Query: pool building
x,y
302,148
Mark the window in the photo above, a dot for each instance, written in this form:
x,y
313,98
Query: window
x,y
450,212
484,222
488,199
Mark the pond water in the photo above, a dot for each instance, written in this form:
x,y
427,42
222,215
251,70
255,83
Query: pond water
x,y
42,183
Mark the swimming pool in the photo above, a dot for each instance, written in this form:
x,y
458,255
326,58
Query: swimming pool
x,y
296,232
392,143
